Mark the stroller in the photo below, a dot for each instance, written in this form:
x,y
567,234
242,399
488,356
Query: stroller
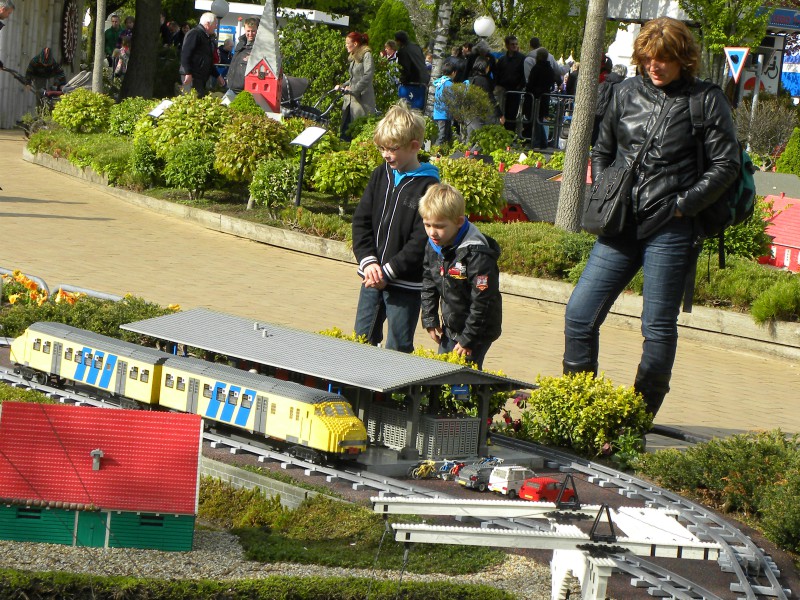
x,y
291,94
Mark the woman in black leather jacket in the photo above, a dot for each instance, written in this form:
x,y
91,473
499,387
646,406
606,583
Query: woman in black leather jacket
x,y
661,234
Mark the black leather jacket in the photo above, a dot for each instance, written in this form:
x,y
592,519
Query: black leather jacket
x,y
668,178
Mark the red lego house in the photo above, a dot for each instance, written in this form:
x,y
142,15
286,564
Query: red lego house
x,y
98,477
784,228
264,76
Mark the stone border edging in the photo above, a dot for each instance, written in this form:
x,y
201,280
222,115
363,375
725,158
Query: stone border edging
x,y
718,327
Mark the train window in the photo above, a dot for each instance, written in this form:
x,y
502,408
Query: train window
x,y
134,374
87,359
206,391
220,394
291,412
68,354
79,356
145,376
247,401
297,415
233,396
37,344
98,362
272,409
46,348
169,380
181,384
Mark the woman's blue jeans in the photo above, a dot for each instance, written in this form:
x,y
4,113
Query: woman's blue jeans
x,y
665,258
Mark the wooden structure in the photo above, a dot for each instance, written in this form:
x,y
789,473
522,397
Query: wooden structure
x,y
95,477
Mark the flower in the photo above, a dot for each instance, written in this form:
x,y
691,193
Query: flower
x,y
13,298
175,307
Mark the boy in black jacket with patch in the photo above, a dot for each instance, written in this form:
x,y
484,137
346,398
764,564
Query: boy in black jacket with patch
x,y
388,236
460,276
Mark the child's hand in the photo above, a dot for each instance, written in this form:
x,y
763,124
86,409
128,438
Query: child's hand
x,y
435,333
373,276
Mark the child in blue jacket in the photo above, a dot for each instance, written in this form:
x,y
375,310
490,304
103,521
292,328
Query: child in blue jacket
x,y
440,114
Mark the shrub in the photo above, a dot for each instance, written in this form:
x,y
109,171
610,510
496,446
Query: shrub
x,y
363,129
189,166
189,118
145,167
748,239
737,286
83,111
480,183
331,227
123,116
492,137
772,125
789,161
236,507
344,174
584,413
556,162
244,103
780,302
245,142
274,183
466,103
780,515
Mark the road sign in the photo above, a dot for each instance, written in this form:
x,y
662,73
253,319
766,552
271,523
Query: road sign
x,y
736,58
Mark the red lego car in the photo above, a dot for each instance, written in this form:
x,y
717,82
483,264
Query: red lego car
x,y
543,489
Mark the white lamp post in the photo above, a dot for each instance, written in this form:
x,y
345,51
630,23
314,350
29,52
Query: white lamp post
x,y
484,26
220,9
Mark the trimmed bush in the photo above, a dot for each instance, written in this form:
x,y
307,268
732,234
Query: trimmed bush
x,y
245,142
274,183
344,174
189,166
584,413
492,137
145,167
748,239
123,116
480,184
189,118
780,302
83,111
244,103
781,512
789,161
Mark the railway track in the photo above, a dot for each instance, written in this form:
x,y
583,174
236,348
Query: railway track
x,y
755,576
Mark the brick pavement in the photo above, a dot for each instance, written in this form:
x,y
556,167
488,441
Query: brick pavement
x,y
67,232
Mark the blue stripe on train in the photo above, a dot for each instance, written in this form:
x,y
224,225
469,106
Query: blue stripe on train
x,y
93,370
80,368
108,370
227,410
214,403
244,413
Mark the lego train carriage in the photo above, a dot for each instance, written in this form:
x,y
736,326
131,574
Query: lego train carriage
x,y
314,424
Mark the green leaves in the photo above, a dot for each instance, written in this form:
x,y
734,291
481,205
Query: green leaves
x,y
480,184
246,141
83,111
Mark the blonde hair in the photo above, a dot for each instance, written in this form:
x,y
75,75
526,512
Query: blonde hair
x,y
399,127
670,39
442,201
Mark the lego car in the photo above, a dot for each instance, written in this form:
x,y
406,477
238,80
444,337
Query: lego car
x,y
507,479
475,477
544,489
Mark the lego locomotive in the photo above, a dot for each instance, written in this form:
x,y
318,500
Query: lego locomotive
x,y
312,424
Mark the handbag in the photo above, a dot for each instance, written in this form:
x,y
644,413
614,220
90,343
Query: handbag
x,y
610,194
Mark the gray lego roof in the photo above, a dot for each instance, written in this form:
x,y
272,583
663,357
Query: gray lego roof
x,y
308,353
89,338
533,190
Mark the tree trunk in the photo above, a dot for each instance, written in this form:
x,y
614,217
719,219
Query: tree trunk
x,y
576,159
139,79
99,47
440,50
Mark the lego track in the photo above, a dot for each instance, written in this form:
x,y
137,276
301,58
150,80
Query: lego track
x,y
754,574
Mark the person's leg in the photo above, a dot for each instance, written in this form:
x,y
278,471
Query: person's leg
x,y
370,315
667,255
442,125
612,264
402,313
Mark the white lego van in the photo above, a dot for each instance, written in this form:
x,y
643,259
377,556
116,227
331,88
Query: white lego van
x,y
507,479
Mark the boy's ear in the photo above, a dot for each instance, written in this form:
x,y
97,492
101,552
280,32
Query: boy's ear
x,y
415,145
461,220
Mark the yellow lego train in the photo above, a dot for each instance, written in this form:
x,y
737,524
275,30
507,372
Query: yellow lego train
x,y
312,424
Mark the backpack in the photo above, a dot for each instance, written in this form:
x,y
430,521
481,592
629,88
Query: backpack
x,y
736,204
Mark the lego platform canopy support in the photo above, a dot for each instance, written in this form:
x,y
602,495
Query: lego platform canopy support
x,y
264,76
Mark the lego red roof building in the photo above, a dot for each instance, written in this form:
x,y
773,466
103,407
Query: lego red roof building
x,y
784,228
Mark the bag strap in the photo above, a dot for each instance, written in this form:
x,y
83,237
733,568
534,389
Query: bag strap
x,y
661,116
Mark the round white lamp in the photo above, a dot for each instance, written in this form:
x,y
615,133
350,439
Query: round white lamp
x,y
220,9
484,26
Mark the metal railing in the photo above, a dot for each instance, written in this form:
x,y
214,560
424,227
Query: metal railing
x,y
556,119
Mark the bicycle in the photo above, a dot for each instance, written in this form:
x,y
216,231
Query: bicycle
x,y
423,469
449,469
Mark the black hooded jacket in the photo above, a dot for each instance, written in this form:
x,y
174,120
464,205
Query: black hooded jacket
x,y
668,176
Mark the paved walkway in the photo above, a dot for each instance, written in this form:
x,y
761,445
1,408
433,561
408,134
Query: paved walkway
x,y
67,232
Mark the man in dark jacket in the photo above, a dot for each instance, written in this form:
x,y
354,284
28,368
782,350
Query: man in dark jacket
x,y
197,56
414,75
241,54
509,76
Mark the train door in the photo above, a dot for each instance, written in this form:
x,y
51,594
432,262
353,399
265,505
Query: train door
x,y
55,363
191,397
260,420
122,377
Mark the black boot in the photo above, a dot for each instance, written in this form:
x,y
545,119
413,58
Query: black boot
x,y
653,387
571,367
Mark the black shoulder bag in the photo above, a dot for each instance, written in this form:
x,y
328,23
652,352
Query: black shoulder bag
x,y
610,195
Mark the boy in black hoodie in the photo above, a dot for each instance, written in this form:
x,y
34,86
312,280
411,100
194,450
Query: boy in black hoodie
x,y
460,277
388,236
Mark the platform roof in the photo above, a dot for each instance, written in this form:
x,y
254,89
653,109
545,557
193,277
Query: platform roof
x,y
322,356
